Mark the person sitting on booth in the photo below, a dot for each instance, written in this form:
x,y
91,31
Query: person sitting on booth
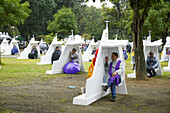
x,y
167,55
151,64
33,54
94,51
74,56
128,48
56,55
92,54
115,69
125,54
73,66
14,50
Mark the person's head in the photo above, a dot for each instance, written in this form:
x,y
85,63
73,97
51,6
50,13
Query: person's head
x,y
33,47
94,48
167,50
122,48
74,50
114,56
151,54
57,48
14,45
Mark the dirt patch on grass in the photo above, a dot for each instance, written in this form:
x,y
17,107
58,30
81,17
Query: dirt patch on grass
x,y
53,96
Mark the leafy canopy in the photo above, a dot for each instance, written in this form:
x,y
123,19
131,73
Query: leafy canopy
x,y
12,12
64,21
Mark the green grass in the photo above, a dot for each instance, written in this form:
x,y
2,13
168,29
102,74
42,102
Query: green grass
x,y
16,72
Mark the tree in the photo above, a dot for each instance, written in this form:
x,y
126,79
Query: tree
x,y
42,11
91,24
140,13
119,17
64,21
13,13
158,20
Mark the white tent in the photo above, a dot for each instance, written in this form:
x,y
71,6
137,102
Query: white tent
x,y
79,39
4,46
13,42
166,46
46,59
87,53
27,50
94,84
167,68
58,65
2,36
150,46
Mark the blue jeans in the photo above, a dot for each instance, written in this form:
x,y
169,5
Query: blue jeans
x,y
113,88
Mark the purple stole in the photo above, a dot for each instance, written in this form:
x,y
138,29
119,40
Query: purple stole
x,y
32,51
116,77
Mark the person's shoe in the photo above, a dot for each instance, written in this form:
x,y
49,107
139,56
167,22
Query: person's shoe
x,y
154,73
105,88
113,100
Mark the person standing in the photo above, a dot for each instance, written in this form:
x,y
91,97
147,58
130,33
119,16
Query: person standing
x,y
74,56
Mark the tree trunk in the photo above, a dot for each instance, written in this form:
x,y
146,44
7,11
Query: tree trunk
x,y
141,71
164,35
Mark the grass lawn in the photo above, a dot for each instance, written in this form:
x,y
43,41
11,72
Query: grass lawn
x,y
16,72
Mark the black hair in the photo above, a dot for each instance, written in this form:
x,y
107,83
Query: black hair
x,y
57,47
115,54
74,49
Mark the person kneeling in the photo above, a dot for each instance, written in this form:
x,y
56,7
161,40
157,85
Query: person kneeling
x,y
115,70
151,64
33,54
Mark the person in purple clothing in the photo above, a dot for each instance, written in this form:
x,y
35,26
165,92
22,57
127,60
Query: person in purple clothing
x,y
167,52
115,69
167,55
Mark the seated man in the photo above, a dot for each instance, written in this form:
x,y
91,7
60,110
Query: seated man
x,y
33,54
128,48
94,51
14,50
151,64
56,54
125,54
167,55
115,69
92,54
74,56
